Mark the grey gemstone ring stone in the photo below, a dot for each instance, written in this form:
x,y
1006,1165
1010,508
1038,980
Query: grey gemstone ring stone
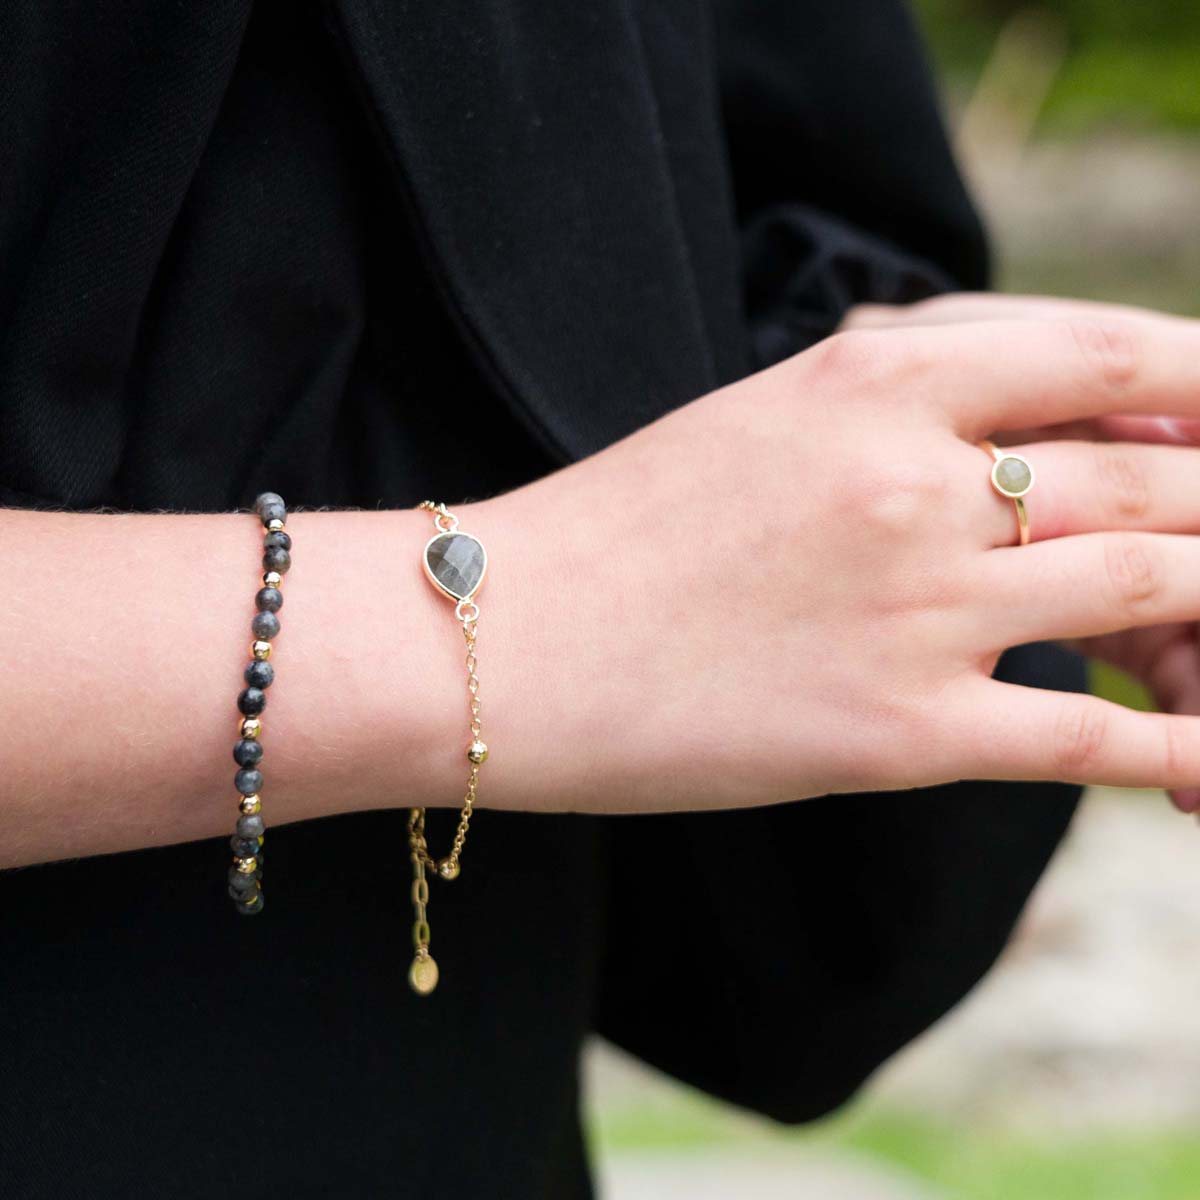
x,y
1012,476
455,563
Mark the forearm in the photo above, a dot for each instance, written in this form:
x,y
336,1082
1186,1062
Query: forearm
x,y
124,638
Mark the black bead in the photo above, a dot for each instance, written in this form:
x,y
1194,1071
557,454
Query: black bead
x,y
255,850
276,559
277,540
273,512
265,498
248,780
265,625
268,599
250,826
260,674
270,507
252,701
244,898
240,881
249,907
248,752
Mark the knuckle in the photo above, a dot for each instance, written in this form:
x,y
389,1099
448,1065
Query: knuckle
x,y
862,359
867,314
1123,478
898,496
849,354
1079,736
1111,352
1132,574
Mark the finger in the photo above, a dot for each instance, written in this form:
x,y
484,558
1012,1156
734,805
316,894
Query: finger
x,y
957,307
1187,800
1052,735
1092,584
1166,658
1134,651
991,376
1174,677
1174,680
1088,487
1172,431
1178,431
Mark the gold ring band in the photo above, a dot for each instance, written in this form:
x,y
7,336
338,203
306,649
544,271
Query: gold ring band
x,y
1012,478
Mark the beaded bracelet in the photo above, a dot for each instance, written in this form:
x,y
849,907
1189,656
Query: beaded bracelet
x,y
245,876
455,564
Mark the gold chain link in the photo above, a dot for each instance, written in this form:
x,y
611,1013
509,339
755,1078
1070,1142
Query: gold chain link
x,y
423,973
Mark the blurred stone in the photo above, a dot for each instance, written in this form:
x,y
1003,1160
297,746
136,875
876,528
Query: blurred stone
x,y
1013,476
1092,1018
752,1174
1110,217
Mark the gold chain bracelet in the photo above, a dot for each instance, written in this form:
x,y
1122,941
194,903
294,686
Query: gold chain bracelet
x,y
455,564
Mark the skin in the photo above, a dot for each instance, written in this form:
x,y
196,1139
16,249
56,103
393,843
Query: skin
x,y
794,586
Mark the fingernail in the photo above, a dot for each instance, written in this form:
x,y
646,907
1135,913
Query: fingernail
x,y
1187,800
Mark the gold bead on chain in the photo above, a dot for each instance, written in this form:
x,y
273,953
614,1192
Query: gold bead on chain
x,y
455,564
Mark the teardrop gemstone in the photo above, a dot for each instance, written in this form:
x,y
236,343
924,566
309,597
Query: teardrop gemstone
x,y
456,562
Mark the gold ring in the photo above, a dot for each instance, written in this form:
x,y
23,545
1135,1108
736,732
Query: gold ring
x,y
1012,478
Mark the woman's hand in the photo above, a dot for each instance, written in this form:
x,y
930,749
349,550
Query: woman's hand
x,y
1165,658
800,584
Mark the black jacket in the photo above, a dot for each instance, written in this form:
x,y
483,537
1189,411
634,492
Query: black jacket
x,y
292,246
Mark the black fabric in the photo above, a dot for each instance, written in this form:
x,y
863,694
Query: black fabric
x,y
264,245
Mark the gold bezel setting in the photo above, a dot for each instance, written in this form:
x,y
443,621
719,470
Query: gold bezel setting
x,y
437,583
1001,458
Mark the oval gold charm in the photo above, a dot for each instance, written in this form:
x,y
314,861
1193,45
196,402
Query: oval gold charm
x,y
423,974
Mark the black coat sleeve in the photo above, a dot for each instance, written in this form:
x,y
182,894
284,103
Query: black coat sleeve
x,y
777,957
845,184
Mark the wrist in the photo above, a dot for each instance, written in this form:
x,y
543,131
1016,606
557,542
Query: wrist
x,y
372,657
524,713
562,658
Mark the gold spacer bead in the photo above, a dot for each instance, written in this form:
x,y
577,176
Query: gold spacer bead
x,y
247,866
477,751
272,579
251,727
250,804
261,650
449,867
274,525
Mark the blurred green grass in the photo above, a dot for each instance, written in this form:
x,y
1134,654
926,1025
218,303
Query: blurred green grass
x,y
1133,65
967,1163
991,1165
1148,86
1115,685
